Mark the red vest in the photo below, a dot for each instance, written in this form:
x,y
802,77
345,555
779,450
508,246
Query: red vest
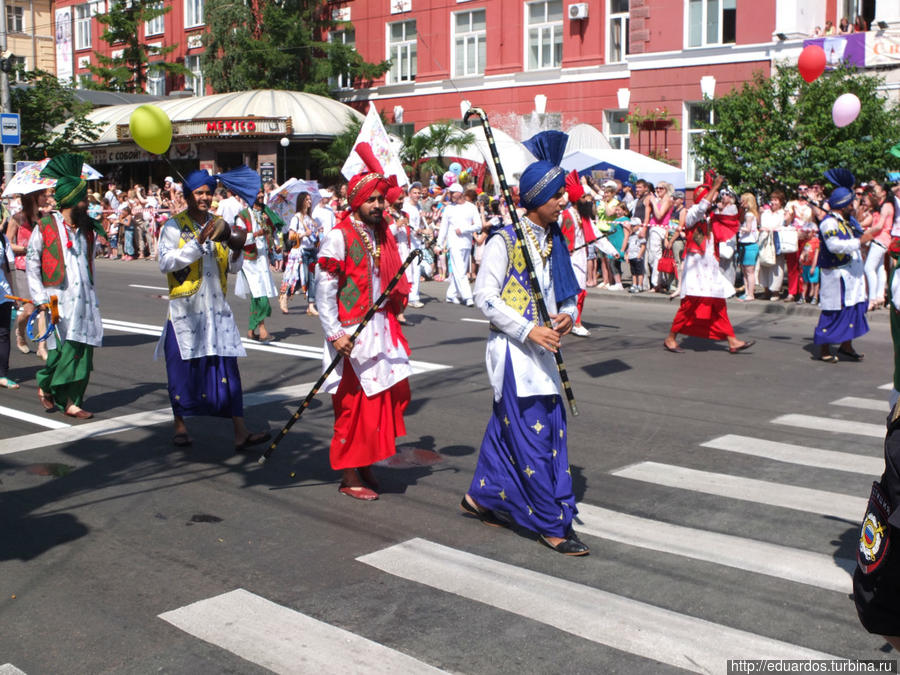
x,y
53,268
567,226
721,227
251,252
355,288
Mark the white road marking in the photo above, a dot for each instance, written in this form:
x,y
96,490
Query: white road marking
x,y
877,404
798,454
475,320
284,640
748,489
782,562
33,419
152,288
139,420
812,422
10,669
887,387
284,348
627,625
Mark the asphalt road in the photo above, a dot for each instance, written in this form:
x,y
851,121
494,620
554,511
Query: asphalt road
x,y
120,553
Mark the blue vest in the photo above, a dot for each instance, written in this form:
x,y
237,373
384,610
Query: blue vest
x,y
835,226
516,291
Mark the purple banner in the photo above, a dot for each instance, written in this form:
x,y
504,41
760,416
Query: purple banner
x,y
842,48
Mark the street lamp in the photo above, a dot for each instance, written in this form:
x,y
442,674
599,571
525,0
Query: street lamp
x,y
285,142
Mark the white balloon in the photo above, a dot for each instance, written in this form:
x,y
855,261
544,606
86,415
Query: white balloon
x,y
845,109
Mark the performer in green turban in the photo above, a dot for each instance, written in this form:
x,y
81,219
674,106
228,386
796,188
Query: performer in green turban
x,y
59,261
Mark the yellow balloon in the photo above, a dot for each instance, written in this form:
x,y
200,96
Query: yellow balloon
x,y
151,128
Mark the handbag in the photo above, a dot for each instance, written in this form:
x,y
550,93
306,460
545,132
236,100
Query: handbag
x,y
767,250
726,250
666,263
789,241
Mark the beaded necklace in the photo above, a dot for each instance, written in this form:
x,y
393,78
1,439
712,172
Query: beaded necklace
x,y
545,252
374,249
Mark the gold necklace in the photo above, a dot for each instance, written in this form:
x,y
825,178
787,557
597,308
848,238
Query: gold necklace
x,y
374,249
545,252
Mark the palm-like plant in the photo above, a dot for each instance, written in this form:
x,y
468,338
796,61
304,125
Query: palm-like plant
x,y
425,151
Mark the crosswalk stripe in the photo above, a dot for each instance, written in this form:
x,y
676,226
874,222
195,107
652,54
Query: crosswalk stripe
x,y
37,420
284,640
152,288
139,420
284,348
628,625
887,387
877,404
805,567
798,454
812,422
465,318
10,669
748,489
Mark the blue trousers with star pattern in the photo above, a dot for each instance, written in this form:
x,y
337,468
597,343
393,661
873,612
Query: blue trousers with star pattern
x,y
523,465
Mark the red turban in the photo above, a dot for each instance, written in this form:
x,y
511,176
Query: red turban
x,y
573,186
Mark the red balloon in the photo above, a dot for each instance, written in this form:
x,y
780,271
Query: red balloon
x,y
811,63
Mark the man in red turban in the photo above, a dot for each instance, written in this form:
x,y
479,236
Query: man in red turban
x,y
369,387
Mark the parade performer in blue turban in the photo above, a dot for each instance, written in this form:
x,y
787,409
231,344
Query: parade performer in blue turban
x,y
59,261
200,340
842,294
523,467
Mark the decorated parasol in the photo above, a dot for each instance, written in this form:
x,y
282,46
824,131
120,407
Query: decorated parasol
x,y
29,179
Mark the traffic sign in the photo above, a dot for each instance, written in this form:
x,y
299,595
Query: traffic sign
x,y
10,132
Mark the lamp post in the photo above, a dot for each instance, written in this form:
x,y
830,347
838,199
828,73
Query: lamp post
x,y
284,142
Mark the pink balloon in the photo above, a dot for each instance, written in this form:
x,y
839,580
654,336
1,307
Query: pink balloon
x,y
845,109
811,63
449,178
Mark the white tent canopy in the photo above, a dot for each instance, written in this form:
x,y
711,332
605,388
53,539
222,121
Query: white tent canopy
x,y
513,155
623,164
586,137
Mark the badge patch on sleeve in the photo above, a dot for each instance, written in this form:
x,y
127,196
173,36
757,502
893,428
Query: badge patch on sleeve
x,y
874,534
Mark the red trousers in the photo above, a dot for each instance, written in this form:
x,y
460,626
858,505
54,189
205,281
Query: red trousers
x,y
365,428
703,317
580,305
792,263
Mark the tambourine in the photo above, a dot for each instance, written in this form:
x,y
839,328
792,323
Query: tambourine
x,y
221,231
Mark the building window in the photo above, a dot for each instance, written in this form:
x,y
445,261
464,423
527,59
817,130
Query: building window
x,y
84,80
469,43
402,52
19,66
156,81
15,19
155,26
348,38
545,28
195,79
82,26
617,131
617,21
697,115
711,22
193,13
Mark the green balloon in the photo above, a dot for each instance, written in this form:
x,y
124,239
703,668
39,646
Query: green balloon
x,y
151,128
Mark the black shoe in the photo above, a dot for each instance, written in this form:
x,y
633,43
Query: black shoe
x,y
486,516
571,546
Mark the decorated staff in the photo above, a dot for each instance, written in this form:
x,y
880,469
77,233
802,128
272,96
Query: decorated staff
x,y
413,256
535,287
523,467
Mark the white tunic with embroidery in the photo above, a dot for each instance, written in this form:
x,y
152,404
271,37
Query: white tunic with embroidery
x,y
533,366
702,275
203,322
379,364
255,278
852,274
79,311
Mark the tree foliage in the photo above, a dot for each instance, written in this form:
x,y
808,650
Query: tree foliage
x,y
128,72
777,132
425,151
43,104
332,158
278,45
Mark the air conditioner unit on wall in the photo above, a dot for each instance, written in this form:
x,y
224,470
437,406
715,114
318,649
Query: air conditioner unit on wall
x,y
578,11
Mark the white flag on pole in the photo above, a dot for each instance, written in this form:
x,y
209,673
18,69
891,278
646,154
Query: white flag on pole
x,y
373,133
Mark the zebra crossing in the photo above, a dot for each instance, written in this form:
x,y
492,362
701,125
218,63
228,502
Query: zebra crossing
x,y
610,620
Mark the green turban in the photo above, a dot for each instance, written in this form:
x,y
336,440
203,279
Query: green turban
x,y
71,188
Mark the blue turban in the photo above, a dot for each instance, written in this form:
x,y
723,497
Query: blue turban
x,y
198,178
842,195
539,182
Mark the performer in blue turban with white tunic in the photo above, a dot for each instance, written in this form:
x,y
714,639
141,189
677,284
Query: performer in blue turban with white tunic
x,y
523,467
200,340
842,294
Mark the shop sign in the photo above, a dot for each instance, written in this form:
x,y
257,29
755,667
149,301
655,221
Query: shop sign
x,y
119,155
222,127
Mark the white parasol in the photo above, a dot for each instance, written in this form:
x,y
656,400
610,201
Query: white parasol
x,y
283,199
29,179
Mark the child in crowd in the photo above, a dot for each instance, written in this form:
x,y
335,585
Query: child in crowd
x,y
637,246
809,265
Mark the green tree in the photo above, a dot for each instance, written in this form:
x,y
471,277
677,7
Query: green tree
x,y
332,157
129,71
777,132
278,45
53,120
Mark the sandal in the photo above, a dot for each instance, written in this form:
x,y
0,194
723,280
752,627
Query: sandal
x,y
852,355
486,516
182,440
360,492
251,440
827,358
7,383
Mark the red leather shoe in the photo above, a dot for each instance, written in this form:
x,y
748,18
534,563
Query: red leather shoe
x,y
79,414
358,492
